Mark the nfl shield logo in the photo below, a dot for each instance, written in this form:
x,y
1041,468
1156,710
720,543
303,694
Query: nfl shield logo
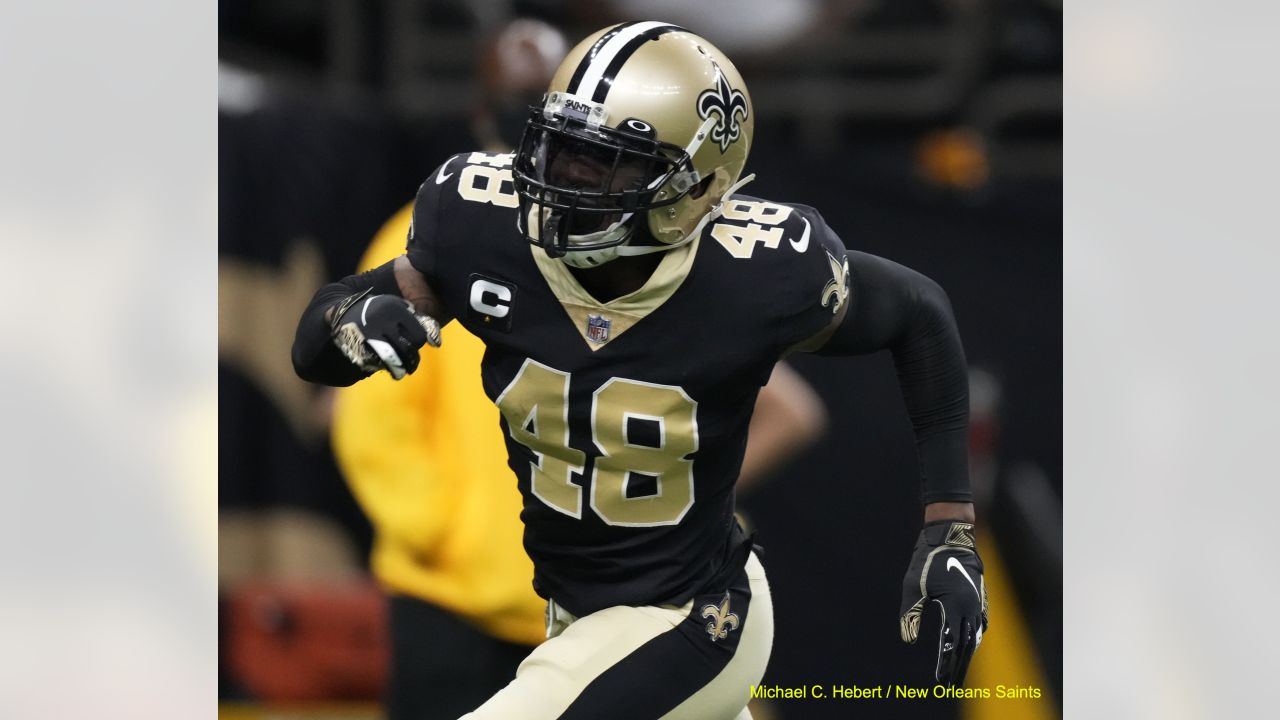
x,y
597,329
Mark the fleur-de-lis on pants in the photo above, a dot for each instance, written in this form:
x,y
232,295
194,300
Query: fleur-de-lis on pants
x,y
721,618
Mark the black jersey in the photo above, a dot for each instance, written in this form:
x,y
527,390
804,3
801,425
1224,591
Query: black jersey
x,y
625,421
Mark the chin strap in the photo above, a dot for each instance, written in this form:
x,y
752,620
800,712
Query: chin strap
x,y
713,214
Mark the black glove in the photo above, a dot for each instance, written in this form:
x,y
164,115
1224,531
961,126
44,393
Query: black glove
x,y
382,331
945,568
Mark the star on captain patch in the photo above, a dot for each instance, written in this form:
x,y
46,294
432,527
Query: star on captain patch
x,y
837,289
598,329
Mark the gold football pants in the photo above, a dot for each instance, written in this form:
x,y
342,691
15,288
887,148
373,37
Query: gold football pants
x,y
693,662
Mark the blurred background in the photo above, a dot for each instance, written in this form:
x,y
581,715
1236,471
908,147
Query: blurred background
x,y
928,132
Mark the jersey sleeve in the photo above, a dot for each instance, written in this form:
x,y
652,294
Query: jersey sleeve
x,y
423,244
815,282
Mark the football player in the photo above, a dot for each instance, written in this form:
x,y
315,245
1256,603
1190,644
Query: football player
x,y
632,304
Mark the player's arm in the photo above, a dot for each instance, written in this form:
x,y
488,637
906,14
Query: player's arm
x,y
379,318
900,310
366,322
892,307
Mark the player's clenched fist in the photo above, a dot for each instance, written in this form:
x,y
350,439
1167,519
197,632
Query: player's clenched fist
x,y
382,331
946,573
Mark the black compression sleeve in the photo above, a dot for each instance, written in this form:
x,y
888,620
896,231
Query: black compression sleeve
x,y
897,309
315,358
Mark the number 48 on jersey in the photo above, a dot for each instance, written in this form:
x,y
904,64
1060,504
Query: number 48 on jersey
x,y
535,406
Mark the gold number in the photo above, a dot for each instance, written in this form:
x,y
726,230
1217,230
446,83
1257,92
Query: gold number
x,y
741,241
765,213
498,160
536,406
675,413
493,171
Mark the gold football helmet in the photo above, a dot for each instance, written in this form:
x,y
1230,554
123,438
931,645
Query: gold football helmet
x,y
643,122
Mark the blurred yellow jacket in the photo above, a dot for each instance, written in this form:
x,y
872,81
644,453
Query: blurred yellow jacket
x,y
426,460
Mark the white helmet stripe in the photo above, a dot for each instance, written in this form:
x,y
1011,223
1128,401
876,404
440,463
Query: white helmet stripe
x,y
581,69
616,45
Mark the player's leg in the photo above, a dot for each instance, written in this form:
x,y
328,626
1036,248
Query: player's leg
x,y
747,666
696,661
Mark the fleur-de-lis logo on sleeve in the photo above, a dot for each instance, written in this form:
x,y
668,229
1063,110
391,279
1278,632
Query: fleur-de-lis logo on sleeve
x,y
729,106
721,618
837,289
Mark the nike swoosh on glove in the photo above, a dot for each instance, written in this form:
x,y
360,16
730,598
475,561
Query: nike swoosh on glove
x,y
946,573
382,331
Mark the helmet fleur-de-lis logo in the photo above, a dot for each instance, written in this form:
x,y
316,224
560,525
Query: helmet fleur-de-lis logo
x,y
721,618
729,106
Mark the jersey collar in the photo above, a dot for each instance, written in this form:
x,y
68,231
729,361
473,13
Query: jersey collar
x,y
621,313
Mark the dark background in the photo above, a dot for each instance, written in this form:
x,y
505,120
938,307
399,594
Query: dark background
x,y
926,132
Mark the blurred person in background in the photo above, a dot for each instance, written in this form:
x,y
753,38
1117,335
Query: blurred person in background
x,y
426,462
618,188
512,71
